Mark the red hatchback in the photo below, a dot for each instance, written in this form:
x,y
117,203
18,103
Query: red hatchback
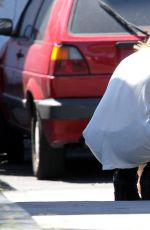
x,y
56,67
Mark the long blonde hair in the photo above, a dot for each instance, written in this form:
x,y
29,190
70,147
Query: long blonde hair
x,y
142,44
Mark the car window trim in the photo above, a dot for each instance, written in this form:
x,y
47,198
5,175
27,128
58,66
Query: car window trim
x,y
38,40
17,34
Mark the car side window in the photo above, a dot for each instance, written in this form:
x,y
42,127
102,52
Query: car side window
x,y
28,19
42,19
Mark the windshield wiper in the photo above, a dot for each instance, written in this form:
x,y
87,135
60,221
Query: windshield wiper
x,y
130,27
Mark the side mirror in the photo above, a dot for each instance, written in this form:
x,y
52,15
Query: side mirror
x,y
6,26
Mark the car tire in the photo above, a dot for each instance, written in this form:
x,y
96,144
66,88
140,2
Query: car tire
x,y
47,162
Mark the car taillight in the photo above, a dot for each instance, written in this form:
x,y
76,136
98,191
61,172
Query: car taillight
x,y
67,60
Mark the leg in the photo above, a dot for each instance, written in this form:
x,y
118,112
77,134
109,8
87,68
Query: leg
x,y
125,184
145,183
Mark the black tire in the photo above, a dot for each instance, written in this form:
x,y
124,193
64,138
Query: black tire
x,y
11,142
47,162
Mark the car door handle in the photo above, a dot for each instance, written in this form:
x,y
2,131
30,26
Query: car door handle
x,y
20,54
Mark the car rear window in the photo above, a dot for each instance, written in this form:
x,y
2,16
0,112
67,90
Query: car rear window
x,y
89,18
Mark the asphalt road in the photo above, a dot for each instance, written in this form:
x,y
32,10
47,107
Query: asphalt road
x,y
82,200
58,204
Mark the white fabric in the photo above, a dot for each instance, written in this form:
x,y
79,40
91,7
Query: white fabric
x,y
118,133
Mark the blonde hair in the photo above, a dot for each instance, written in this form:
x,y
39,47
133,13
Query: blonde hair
x,y
142,44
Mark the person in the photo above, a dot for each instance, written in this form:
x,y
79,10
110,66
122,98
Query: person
x,y
118,133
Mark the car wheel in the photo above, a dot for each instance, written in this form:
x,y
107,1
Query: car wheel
x,y
47,162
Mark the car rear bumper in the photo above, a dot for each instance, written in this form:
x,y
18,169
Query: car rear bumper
x,y
66,109
64,120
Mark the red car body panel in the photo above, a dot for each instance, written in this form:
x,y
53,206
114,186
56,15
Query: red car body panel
x,y
60,132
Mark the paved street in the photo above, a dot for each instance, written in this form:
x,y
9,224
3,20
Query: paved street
x,y
12,216
81,201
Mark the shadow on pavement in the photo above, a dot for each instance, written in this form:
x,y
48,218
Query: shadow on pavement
x,y
77,171
86,207
5,187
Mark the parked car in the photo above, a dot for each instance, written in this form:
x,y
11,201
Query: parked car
x,y
55,68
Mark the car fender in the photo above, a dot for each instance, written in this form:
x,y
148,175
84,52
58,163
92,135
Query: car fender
x,y
35,89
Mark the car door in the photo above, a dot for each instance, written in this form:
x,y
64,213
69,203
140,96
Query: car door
x,y
24,59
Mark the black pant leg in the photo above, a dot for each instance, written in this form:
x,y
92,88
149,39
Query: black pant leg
x,y
145,183
125,184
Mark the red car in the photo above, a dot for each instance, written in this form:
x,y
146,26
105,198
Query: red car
x,y
55,68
